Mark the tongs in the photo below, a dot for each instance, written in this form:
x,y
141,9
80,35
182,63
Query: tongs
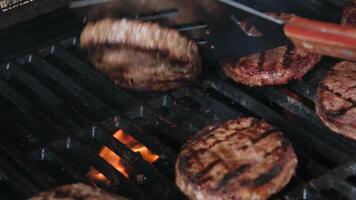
x,y
315,36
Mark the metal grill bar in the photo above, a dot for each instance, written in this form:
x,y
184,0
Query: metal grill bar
x,y
70,94
108,90
89,156
92,104
250,103
136,161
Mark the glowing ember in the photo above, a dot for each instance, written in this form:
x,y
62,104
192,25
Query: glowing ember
x,y
116,161
96,176
136,146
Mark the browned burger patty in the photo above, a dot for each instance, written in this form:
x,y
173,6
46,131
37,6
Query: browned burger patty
x,y
141,55
336,94
272,67
336,99
240,159
76,192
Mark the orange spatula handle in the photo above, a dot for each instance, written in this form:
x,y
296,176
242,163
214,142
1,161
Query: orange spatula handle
x,y
322,38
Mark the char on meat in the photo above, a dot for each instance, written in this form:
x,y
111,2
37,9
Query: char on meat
x,y
141,55
336,99
336,95
273,67
240,159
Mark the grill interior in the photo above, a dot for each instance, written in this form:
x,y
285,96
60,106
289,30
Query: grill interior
x,y
57,113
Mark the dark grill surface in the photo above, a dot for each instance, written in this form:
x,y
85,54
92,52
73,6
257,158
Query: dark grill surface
x,y
57,112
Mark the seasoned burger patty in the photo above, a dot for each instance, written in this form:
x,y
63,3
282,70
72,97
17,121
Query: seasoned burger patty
x,y
143,70
240,159
76,192
336,94
141,55
336,99
349,16
272,67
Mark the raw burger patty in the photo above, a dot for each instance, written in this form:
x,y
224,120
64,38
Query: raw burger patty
x,y
273,67
240,159
75,192
336,99
141,55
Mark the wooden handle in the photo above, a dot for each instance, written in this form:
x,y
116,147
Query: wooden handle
x,y
322,38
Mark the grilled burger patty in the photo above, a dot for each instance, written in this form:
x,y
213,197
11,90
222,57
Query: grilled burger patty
x,y
75,192
141,55
336,94
273,67
240,159
336,99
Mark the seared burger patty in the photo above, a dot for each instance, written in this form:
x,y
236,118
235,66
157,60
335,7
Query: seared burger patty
x,y
75,192
240,159
272,67
141,55
336,94
336,99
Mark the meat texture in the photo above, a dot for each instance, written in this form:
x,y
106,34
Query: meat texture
x,y
336,94
141,55
240,159
75,192
349,16
336,99
272,67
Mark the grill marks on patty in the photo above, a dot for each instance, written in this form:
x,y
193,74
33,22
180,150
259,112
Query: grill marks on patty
x,y
141,55
234,160
336,95
336,99
272,67
145,35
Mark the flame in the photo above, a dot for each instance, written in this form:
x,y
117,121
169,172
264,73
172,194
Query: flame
x,y
136,146
116,161
96,176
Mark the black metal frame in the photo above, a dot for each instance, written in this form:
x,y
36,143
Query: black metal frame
x,y
57,112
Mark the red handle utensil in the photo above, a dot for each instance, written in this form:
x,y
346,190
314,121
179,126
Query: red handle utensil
x,y
315,36
322,38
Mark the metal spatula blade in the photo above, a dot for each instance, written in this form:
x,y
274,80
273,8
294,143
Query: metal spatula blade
x,y
319,37
85,3
252,11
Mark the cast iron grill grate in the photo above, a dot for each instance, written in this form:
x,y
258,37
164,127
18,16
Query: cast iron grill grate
x,y
57,113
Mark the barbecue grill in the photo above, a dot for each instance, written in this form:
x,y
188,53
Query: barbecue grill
x,y
58,112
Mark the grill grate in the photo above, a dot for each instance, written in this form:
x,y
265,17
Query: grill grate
x,y
58,112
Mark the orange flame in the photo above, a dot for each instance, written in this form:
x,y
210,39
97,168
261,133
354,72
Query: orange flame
x,y
116,161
